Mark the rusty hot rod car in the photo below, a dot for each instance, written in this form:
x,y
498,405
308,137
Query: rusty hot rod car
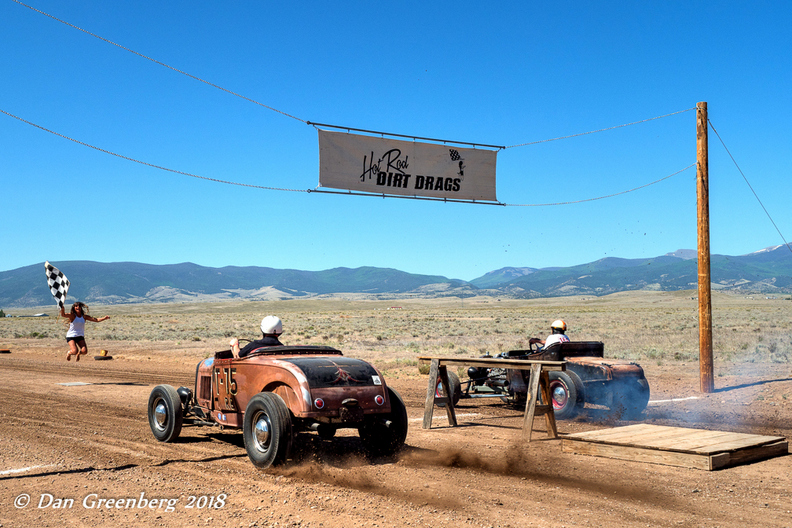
x,y
275,392
589,377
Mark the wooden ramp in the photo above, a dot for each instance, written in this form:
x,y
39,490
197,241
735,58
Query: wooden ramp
x,y
676,446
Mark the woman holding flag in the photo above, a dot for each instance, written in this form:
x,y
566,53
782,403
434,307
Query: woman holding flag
x,y
59,286
76,334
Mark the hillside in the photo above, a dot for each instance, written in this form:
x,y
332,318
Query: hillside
x,y
132,282
765,271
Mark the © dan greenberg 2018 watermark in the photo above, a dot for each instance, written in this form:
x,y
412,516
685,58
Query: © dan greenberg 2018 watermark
x,y
94,501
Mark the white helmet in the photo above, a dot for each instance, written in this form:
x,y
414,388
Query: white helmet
x,y
558,324
271,325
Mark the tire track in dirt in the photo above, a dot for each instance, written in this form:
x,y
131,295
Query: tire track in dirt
x,y
475,475
131,376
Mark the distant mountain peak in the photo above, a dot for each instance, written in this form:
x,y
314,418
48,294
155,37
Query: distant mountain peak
x,y
513,272
765,250
493,278
687,254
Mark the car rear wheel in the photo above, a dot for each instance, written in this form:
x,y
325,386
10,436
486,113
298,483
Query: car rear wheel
x,y
564,395
165,413
267,430
630,398
455,389
385,435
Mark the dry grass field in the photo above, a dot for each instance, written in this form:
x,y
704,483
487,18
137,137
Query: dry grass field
x,y
78,431
651,327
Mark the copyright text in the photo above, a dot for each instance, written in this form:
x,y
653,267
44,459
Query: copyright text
x,y
94,501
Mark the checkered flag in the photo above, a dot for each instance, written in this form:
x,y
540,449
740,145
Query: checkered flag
x,y
58,283
454,155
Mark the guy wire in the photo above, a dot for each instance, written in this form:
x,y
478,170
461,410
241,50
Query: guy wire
x,y
749,185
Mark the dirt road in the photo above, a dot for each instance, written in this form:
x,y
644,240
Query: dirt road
x,y
83,455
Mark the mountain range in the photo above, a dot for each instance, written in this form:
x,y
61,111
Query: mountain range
x,y
765,271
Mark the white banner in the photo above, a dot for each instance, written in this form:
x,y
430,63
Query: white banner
x,y
390,166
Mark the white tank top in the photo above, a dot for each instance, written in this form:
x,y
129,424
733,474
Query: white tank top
x,y
76,328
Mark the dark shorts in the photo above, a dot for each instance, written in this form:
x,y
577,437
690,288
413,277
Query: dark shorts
x,y
77,339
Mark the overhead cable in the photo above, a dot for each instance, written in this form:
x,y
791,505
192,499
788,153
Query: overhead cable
x,y
599,130
148,164
749,185
404,197
603,197
348,193
160,62
318,126
103,39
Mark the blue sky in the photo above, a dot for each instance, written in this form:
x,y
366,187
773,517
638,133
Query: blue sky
x,y
501,73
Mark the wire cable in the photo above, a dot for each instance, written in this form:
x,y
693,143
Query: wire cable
x,y
603,197
195,77
160,63
406,197
347,193
749,185
595,131
150,164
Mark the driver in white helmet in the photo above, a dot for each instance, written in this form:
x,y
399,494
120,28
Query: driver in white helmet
x,y
558,336
271,328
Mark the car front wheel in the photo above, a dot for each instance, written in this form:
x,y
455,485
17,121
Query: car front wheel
x,y
564,395
165,413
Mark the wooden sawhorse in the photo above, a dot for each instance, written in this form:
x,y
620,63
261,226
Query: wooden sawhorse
x,y
539,384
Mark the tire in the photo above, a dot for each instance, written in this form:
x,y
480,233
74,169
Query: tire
x,y
456,389
581,390
267,430
382,439
564,395
630,398
165,413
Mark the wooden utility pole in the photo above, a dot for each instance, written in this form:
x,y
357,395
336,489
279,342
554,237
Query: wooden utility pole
x,y
704,279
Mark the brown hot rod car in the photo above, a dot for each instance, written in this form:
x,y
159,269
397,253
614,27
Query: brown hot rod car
x,y
275,392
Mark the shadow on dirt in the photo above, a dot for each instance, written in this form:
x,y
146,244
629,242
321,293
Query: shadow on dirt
x,y
340,451
754,384
121,383
50,473
479,422
123,467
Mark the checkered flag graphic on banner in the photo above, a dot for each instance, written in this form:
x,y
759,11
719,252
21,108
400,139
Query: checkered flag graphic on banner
x,y
454,155
58,283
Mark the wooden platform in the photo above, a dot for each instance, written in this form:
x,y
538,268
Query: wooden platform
x,y
676,446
